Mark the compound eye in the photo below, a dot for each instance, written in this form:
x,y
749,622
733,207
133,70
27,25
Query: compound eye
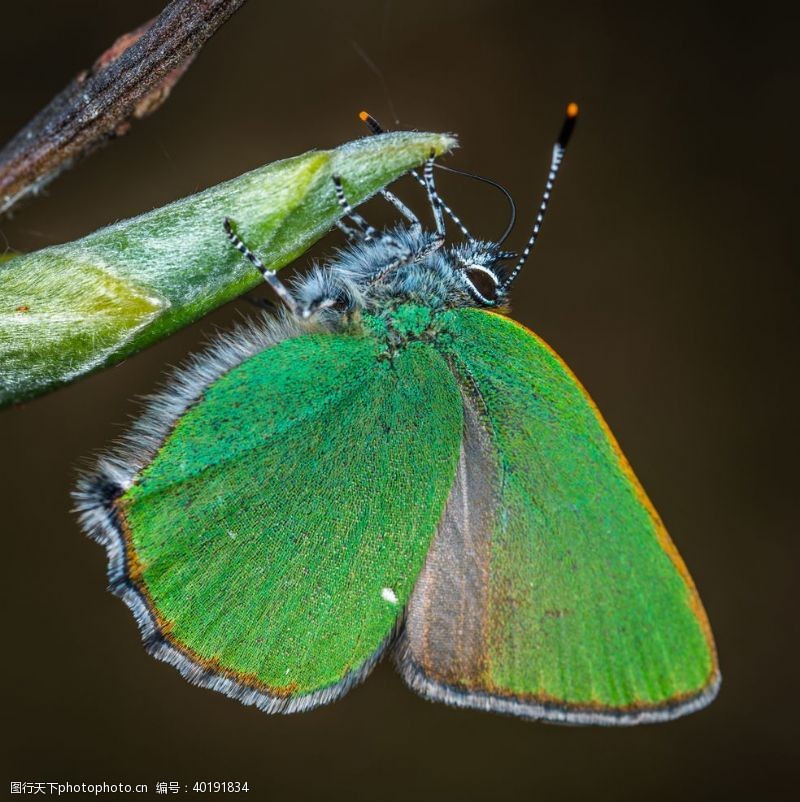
x,y
341,303
483,281
338,303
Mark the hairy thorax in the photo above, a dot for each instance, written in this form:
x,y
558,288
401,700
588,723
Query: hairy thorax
x,y
397,327
412,268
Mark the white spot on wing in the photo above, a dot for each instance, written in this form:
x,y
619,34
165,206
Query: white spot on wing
x,y
389,595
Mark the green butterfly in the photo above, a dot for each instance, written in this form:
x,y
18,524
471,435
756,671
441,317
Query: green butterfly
x,y
389,465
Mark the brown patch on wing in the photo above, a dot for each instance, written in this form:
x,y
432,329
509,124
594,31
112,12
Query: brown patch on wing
x,y
446,616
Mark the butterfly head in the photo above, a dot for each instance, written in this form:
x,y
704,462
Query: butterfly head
x,y
381,269
480,267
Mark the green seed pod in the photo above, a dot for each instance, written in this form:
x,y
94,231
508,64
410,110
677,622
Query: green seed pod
x,y
68,310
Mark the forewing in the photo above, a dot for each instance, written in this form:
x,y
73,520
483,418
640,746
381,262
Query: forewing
x,y
552,589
270,545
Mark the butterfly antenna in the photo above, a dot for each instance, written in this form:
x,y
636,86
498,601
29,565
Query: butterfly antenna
x,y
512,206
376,128
558,154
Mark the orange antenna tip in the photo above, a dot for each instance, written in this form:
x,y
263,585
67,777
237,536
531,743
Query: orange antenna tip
x,y
568,125
367,118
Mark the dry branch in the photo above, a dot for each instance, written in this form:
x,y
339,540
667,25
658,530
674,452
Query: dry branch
x,y
130,80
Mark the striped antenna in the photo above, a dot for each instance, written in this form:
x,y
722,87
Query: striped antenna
x,y
555,163
376,128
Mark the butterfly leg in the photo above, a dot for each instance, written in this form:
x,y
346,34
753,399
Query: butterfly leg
x,y
407,257
365,231
351,233
416,226
436,204
376,128
433,197
388,268
270,276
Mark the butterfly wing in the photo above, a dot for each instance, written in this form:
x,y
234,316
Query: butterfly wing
x,y
270,539
552,590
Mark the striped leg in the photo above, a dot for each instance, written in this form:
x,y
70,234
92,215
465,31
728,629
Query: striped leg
x,y
406,258
366,231
376,128
351,233
270,276
403,209
435,202
455,218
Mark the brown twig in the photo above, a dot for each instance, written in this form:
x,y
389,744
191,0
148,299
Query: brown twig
x,y
129,81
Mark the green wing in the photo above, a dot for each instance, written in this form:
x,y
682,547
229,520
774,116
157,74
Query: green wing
x,y
269,546
552,589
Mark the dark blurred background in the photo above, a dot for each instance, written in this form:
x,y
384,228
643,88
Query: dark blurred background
x,y
666,277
